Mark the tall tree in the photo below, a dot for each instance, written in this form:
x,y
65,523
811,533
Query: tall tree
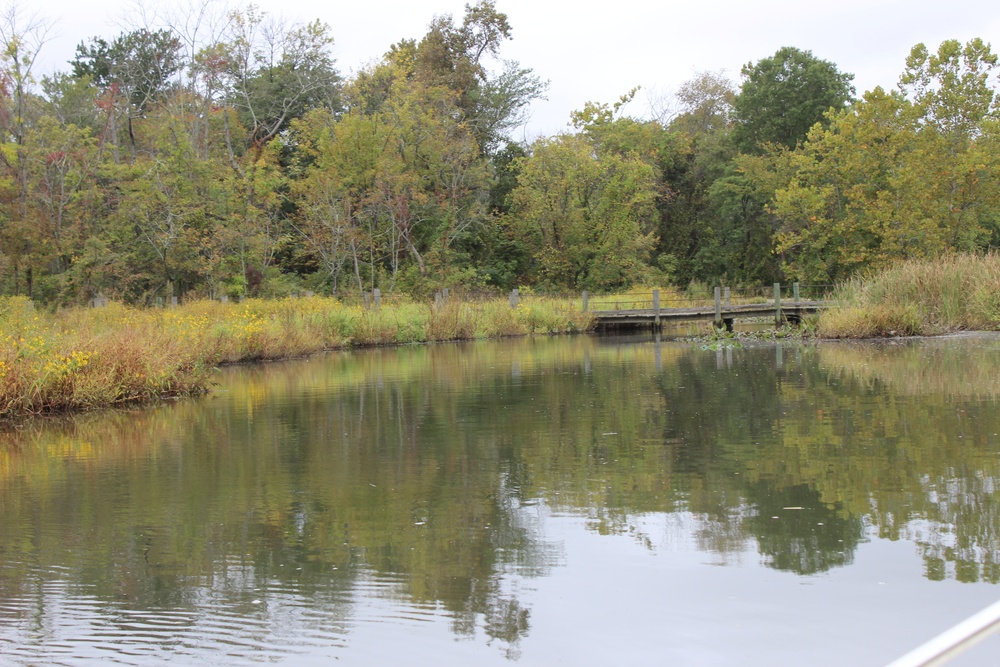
x,y
896,177
954,88
781,97
456,57
587,219
271,73
131,72
140,64
706,104
21,39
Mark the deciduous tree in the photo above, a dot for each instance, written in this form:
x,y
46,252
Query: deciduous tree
x,y
781,97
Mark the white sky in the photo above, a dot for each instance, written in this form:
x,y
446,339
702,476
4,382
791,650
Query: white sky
x,y
599,50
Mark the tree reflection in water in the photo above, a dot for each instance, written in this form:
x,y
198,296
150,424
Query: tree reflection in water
x,y
426,474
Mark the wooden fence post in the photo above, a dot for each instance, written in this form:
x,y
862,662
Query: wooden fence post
x,y
795,292
585,300
718,308
378,298
513,298
725,297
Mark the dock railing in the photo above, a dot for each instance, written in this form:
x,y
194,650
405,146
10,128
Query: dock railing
x,y
727,296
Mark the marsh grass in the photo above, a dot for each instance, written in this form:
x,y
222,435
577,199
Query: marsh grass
x,y
951,293
81,358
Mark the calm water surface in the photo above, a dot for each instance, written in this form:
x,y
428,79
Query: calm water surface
x,y
574,501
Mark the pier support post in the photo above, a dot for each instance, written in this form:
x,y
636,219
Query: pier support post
x,y
718,323
656,309
777,304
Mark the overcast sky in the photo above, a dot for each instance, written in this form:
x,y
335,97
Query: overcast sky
x,y
599,50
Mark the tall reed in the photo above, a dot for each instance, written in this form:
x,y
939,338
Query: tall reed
x,y
919,296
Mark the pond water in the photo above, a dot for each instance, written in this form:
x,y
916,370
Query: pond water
x,y
578,501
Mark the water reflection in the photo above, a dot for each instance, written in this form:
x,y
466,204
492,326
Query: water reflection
x,y
283,508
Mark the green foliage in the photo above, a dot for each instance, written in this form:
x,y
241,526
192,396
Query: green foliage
x,y
587,219
894,177
138,64
455,57
245,166
783,96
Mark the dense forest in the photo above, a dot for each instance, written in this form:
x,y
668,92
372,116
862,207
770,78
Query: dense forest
x,y
228,156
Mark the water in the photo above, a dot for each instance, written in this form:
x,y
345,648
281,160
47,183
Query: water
x,y
577,501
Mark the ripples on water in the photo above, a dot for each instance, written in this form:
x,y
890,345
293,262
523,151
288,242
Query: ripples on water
x,y
576,501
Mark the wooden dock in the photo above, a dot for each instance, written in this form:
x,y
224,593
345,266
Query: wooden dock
x,y
723,313
791,312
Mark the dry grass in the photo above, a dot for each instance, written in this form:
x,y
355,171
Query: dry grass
x,y
951,293
82,358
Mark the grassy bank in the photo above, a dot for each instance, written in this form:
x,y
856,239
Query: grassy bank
x,y
918,297
83,358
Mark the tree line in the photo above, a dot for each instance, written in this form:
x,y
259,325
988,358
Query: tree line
x,y
209,155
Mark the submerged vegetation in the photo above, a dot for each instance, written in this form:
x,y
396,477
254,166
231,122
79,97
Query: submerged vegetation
x,y
78,358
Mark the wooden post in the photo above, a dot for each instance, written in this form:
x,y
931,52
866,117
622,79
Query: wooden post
x,y
173,302
367,297
224,298
725,297
718,308
513,298
795,292
444,295
585,299
656,309
437,299
777,304
378,298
